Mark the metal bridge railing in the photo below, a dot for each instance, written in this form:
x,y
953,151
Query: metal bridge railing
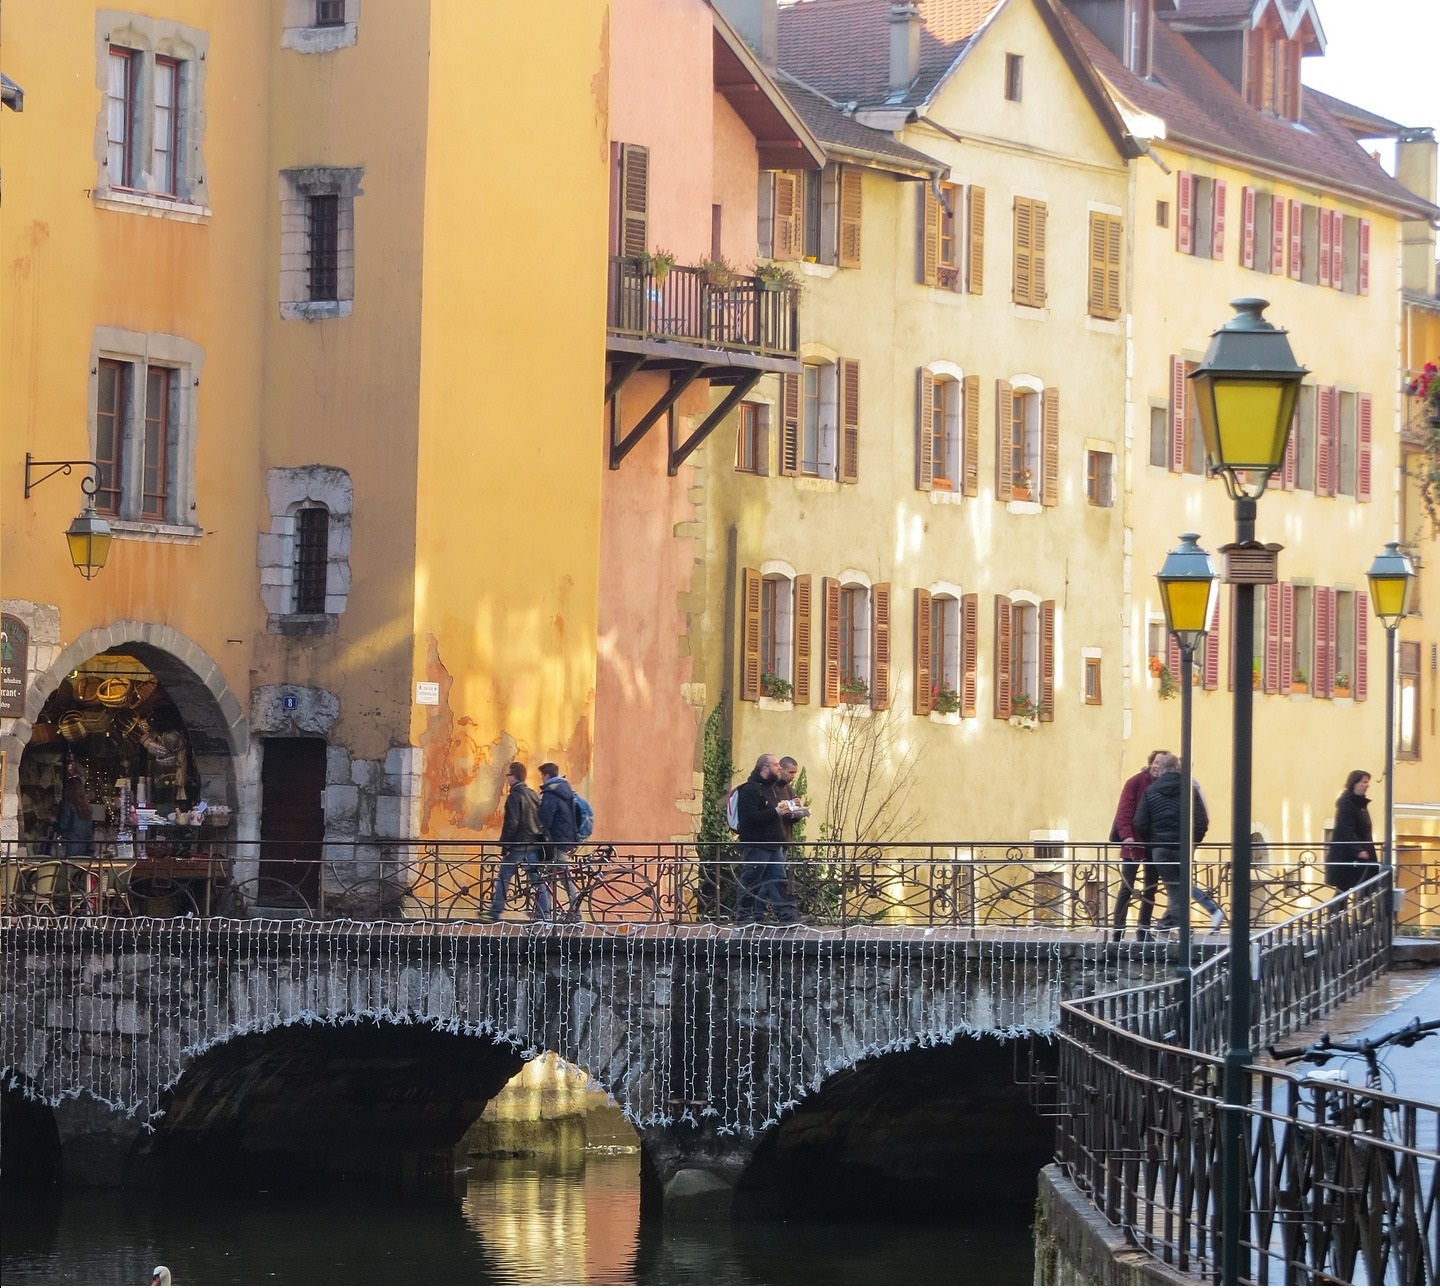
x,y
1339,1182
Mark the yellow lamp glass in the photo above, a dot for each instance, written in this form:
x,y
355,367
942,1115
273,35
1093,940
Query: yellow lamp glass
x,y
1188,590
1390,577
89,540
1245,423
1187,605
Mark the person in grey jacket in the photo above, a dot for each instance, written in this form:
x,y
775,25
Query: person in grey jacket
x,y
1158,823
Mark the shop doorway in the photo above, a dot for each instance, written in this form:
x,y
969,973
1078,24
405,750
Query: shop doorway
x,y
292,815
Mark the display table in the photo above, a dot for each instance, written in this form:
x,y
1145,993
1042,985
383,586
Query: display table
x,y
157,879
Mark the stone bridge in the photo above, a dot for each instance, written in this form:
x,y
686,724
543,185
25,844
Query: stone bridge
x,y
364,1047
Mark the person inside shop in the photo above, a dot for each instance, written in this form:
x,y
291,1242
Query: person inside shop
x,y
74,826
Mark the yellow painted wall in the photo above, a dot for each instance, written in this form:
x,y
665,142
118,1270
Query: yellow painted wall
x,y
511,335
1303,746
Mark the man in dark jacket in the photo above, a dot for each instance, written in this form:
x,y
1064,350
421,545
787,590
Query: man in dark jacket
x,y
1158,822
1132,856
557,821
521,835
762,815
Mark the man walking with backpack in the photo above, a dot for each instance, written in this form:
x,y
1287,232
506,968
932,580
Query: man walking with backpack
x,y
560,821
521,835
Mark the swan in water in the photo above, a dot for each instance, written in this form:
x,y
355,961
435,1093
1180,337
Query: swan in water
x,y
161,1275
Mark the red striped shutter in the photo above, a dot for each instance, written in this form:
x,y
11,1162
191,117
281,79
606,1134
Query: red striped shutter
x,y
1172,655
1247,229
1297,240
1360,682
1185,213
1287,636
1290,470
1325,241
1177,415
1210,666
1337,251
1365,415
1363,273
1322,680
1270,676
1325,461
1277,236
1217,221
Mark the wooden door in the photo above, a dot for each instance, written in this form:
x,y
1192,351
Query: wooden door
x,y
292,813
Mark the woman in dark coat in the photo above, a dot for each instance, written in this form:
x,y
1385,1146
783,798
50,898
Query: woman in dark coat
x,y
1351,856
74,828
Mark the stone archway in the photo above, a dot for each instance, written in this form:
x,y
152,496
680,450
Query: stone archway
x,y
215,721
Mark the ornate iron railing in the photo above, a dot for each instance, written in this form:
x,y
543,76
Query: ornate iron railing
x,y
1339,1183
715,310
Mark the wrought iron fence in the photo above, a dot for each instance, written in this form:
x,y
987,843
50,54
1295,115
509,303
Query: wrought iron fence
x,y
1338,1182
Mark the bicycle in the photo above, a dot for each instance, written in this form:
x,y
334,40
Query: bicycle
x,y
606,888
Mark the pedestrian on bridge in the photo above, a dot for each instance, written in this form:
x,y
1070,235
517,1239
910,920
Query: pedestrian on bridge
x,y
1133,854
1158,822
762,812
557,821
521,835
1350,857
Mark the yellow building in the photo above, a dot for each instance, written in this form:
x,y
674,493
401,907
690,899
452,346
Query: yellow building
x,y
258,275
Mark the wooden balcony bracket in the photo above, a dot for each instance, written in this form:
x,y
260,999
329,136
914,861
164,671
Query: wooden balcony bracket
x,y
680,452
680,381
620,372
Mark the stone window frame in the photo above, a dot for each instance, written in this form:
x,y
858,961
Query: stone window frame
x,y
297,186
140,350
152,38
290,490
300,32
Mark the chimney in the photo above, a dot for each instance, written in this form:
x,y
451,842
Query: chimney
x,y
1415,167
755,21
904,45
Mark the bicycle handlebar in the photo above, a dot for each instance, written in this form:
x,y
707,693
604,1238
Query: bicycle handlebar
x,y
1325,1047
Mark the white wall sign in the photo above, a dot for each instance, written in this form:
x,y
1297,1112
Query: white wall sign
x,y
427,693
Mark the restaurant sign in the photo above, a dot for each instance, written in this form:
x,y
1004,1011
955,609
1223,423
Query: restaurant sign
x,y
14,660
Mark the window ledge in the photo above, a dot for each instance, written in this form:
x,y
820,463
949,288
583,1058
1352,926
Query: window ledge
x,y
944,718
943,496
318,40
315,310
808,483
812,269
945,295
1030,313
302,623
142,203
183,534
1025,507
1104,326
763,703
1024,722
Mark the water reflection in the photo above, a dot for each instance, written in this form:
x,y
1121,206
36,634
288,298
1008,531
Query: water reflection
x,y
519,1222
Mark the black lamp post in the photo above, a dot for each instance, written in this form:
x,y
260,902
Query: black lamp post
x,y
1390,578
1188,590
1245,392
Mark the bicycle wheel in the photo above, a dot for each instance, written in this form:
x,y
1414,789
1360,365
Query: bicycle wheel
x,y
625,894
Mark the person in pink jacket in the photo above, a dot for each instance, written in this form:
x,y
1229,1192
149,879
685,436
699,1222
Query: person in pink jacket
x,y
1133,853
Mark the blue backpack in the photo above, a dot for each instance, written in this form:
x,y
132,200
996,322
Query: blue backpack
x,y
584,818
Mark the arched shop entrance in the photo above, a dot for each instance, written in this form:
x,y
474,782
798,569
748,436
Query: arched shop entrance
x,y
152,731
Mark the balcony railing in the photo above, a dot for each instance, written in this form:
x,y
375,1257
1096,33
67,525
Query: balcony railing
x,y
690,305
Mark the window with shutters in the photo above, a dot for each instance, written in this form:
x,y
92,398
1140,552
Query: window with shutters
x,y
1304,436
1159,435
1310,244
151,112
1024,657
1187,440
777,641
1346,439
798,214
951,215
143,428
752,439
945,642
1024,444
312,558
851,206
945,434
1257,236
1272,62
1344,674
317,242
853,638
1104,279
1099,477
1302,634
1407,717
1200,227
1028,266
951,250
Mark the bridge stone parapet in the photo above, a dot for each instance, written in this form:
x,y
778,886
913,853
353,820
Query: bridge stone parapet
x,y
705,1036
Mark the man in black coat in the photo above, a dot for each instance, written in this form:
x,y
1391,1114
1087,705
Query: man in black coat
x,y
557,821
521,835
1157,823
762,812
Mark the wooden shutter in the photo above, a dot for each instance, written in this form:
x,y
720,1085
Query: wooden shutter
x,y
1114,245
1210,663
1277,235
1360,681
849,420
1297,239
1270,674
790,423
788,233
802,640
1247,227
1287,636
1362,272
1290,468
1047,660
1177,415
1004,391
850,217
750,634
1096,301
1364,415
970,466
1104,277
1037,255
634,199
929,236
1002,657
924,429
975,240
1022,266
1185,212
1172,656
1050,447
969,654
1322,682
924,678
1337,251
830,643
1217,220
1325,242
1324,449
880,646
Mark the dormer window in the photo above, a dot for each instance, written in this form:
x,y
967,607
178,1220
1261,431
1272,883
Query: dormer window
x,y
1139,20
1272,81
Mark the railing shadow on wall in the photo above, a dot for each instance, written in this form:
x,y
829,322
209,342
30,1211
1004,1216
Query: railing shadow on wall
x,y
1338,1181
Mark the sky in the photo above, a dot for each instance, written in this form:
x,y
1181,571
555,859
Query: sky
x,y
1381,54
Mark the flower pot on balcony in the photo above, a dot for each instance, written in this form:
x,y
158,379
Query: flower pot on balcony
x,y
1342,691
1021,494
1299,686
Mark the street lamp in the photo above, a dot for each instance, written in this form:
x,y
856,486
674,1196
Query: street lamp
x,y
1390,576
1188,591
1245,392
88,535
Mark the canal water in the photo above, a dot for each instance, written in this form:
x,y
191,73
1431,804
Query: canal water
x,y
517,1222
